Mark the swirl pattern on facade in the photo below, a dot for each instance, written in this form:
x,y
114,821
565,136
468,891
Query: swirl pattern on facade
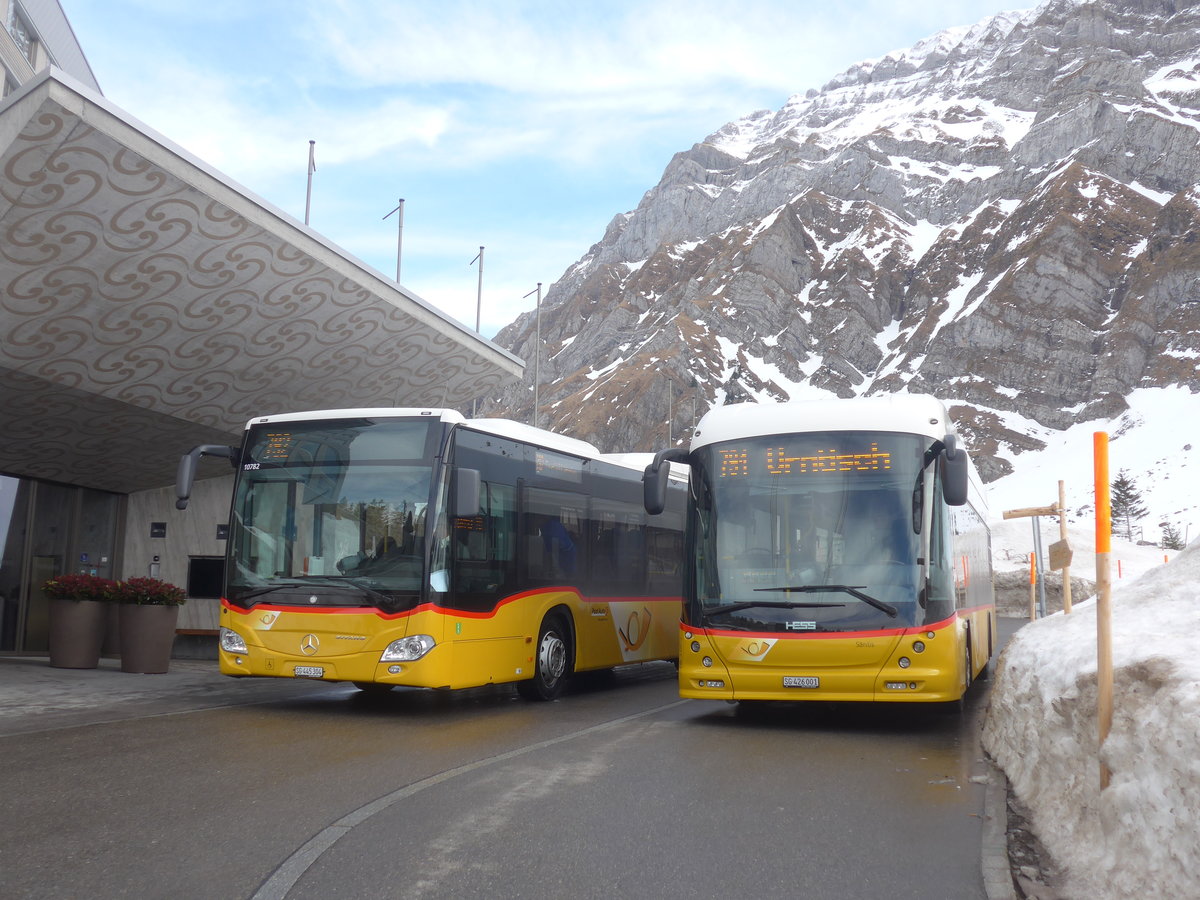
x,y
142,293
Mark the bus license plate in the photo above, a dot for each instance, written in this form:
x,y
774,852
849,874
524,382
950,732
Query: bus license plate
x,y
309,672
801,681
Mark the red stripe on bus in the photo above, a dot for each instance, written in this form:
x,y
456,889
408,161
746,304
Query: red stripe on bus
x,y
825,635
444,610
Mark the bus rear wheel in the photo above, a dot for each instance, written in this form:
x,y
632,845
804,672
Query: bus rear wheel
x,y
552,662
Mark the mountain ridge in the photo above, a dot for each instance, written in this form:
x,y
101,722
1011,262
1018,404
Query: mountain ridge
x,y
1003,216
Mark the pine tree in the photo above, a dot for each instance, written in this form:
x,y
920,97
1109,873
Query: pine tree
x,y
1171,539
1127,506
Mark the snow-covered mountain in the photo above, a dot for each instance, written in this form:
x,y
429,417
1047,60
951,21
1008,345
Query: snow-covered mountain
x,y
1004,215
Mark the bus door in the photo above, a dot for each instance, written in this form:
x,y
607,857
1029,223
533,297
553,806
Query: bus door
x,y
480,556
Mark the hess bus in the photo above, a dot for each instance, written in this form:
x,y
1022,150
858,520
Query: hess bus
x,y
414,547
837,550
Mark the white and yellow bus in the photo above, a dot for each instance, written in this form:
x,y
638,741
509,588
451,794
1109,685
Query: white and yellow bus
x,y
389,547
837,550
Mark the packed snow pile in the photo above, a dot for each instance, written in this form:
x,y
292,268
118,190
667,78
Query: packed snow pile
x,y
1138,837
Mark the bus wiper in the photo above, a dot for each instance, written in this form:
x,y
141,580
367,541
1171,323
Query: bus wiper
x,y
844,588
296,581
769,604
270,589
341,581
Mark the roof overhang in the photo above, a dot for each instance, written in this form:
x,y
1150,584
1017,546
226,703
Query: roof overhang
x,y
149,304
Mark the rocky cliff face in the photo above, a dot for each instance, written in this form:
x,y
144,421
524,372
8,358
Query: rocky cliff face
x,y
1005,216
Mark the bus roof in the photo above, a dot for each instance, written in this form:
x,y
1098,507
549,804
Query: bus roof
x,y
505,428
445,415
904,413
519,431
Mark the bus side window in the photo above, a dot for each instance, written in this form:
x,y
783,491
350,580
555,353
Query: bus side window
x,y
940,597
617,552
664,557
553,542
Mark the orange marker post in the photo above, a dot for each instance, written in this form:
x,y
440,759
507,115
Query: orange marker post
x,y
1104,664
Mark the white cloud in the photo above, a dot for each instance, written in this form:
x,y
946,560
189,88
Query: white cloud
x,y
463,83
524,126
597,49
240,127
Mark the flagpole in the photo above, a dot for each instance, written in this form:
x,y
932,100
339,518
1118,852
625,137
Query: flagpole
x,y
479,292
399,237
537,352
312,167
478,305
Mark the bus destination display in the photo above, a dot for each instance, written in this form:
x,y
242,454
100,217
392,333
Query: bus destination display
x,y
738,462
276,447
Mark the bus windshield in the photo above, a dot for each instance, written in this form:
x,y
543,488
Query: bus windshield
x,y
339,504
809,532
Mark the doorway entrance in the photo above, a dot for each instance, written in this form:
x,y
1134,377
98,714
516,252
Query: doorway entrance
x,y
49,529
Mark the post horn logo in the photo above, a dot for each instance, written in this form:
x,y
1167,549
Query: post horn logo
x,y
636,630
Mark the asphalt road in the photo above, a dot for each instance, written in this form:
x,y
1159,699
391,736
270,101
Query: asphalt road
x,y
618,789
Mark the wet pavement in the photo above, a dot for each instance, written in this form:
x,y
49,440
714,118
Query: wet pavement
x,y
34,696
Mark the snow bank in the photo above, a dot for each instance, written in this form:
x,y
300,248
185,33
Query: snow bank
x,y
1138,838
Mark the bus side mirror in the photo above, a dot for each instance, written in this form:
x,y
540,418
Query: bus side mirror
x,y
954,472
464,493
655,479
185,475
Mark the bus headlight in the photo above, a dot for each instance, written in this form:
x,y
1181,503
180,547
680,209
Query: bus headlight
x,y
407,649
232,642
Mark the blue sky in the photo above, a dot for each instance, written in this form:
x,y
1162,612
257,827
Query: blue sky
x,y
523,127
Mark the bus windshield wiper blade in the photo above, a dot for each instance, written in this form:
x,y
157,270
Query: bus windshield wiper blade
x,y
339,581
769,604
843,588
269,589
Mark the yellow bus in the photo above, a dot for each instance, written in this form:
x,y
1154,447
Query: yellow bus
x,y
837,550
414,547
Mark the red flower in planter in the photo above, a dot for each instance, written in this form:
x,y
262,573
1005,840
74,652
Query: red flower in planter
x,y
147,592
78,587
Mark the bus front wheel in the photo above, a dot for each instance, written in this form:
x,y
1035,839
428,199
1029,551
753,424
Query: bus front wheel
x,y
552,662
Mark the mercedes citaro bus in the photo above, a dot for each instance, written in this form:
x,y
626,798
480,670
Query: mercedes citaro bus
x,y
414,547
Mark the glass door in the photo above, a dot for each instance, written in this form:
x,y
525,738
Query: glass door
x,y
49,541
46,530
14,513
